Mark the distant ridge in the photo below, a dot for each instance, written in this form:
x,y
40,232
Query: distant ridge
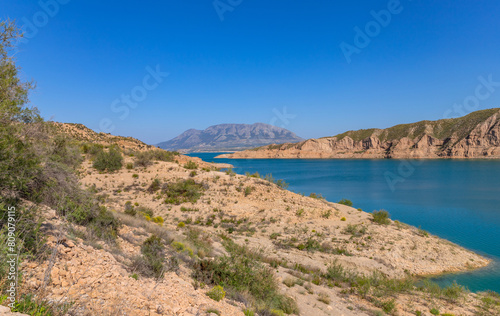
x,y
230,137
476,135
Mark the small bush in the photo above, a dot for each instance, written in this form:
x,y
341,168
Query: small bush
x,y
345,202
188,209
243,273
108,161
343,219
454,292
105,226
130,209
182,191
146,158
129,166
434,311
217,293
213,311
191,165
323,297
153,252
388,306
381,217
181,225
248,190
154,186
326,214
158,220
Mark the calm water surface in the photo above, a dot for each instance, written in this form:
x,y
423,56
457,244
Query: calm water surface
x,y
456,200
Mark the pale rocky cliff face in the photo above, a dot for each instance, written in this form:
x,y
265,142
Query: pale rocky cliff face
x,y
476,135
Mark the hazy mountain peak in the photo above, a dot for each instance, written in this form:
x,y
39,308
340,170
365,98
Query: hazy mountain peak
x,y
228,137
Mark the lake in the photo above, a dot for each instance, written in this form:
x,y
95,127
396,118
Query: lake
x,y
458,200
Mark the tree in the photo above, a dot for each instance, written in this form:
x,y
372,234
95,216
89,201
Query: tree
x,y
18,162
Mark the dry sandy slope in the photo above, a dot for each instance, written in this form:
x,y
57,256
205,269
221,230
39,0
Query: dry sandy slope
x,y
396,249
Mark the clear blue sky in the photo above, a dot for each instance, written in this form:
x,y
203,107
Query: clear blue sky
x,y
264,55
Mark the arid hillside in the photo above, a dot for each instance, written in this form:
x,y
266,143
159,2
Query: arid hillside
x,y
185,228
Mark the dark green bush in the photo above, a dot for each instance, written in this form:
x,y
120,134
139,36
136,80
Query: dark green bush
x,y
154,186
153,252
381,217
182,191
345,202
130,209
241,273
110,161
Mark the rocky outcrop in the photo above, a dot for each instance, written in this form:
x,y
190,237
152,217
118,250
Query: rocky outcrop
x,y
228,137
476,135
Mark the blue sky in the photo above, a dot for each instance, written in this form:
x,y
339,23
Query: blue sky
x,y
263,56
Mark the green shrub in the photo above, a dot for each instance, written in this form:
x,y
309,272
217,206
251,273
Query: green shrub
x,y
343,219
181,225
248,190
242,273
105,226
153,251
381,217
326,214
110,161
188,209
388,306
130,209
154,186
191,165
130,166
316,196
434,311
182,191
454,292
345,202
217,293
146,158
213,311
248,312
146,212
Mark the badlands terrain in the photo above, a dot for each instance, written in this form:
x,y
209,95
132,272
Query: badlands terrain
x,y
476,135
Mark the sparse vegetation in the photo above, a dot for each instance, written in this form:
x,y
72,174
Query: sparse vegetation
x,y
150,263
110,161
191,165
381,217
146,158
345,202
217,293
182,191
241,275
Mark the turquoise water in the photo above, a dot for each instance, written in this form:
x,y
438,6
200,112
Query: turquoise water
x,y
458,200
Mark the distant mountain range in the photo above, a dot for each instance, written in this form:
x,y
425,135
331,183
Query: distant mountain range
x,y
476,135
230,137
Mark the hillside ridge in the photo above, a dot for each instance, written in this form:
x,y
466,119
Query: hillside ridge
x,y
476,135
